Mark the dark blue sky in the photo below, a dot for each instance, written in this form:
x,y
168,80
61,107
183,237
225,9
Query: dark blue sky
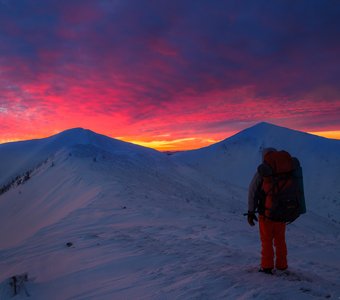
x,y
171,69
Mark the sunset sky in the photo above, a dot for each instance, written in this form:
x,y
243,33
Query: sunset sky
x,y
168,74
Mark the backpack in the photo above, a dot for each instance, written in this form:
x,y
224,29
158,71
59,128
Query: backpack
x,y
283,187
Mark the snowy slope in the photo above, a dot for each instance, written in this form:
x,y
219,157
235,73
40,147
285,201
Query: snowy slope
x,y
58,184
144,225
235,160
17,158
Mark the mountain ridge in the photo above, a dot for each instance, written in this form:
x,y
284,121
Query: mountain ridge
x,y
91,223
261,127
235,160
18,157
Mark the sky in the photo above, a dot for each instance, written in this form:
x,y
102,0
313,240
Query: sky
x,y
171,75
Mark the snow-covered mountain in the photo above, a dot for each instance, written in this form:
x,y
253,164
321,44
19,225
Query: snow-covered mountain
x,y
90,217
70,170
235,160
17,158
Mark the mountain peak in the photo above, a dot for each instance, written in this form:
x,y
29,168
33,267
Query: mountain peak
x,y
74,132
265,128
74,136
264,124
267,125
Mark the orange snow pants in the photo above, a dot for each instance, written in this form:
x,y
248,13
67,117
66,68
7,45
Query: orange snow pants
x,y
273,232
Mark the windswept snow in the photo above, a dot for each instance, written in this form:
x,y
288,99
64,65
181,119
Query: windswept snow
x,y
145,225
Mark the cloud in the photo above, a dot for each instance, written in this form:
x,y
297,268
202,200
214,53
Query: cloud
x,y
155,66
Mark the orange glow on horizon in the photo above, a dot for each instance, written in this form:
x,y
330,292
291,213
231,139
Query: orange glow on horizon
x,y
176,144
334,134
167,143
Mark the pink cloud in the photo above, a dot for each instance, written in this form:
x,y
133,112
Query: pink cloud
x,y
145,69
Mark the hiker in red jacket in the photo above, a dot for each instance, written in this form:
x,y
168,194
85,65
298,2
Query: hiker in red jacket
x,y
276,192
270,231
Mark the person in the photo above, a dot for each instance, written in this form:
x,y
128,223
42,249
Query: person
x,y
271,232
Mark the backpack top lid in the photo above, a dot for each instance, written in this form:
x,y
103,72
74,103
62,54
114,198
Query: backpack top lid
x,y
279,161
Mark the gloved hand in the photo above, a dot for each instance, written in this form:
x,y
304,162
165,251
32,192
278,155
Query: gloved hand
x,y
251,218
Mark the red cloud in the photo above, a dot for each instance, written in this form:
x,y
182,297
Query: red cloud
x,y
147,70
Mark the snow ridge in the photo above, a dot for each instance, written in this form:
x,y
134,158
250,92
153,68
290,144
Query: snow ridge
x,y
105,219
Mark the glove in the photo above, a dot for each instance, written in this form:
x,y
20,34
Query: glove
x,y
251,218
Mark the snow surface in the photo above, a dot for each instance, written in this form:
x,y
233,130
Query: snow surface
x,y
145,225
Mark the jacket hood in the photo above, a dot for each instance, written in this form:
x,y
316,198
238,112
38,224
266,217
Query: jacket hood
x,y
267,150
